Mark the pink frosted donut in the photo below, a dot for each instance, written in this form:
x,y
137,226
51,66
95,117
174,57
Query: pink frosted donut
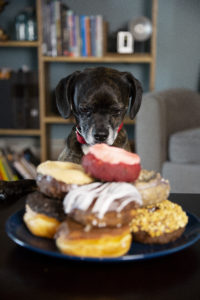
x,y
109,163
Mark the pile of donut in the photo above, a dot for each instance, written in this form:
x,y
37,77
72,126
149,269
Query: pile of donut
x,y
98,208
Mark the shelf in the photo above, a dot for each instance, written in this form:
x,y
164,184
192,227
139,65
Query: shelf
x,y
19,44
59,120
108,58
31,132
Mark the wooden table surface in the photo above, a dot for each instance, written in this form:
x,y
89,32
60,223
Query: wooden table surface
x,y
25,274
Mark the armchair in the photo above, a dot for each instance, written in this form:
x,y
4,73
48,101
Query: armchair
x,y
168,137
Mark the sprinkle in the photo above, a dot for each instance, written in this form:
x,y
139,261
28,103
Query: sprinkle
x,y
166,218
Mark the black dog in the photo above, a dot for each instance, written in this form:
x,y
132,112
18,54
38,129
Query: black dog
x,y
99,99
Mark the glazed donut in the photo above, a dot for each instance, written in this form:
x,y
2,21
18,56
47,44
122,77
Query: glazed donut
x,y
152,187
102,204
158,224
74,239
43,215
109,163
54,178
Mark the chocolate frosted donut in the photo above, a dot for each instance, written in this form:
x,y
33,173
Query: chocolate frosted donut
x,y
74,239
43,215
161,223
102,204
54,178
108,163
52,187
152,187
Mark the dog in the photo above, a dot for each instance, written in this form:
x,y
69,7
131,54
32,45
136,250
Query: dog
x,y
99,99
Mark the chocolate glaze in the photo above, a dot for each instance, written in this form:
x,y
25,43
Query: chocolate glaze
x,y
111,218
52,187
144,237
74,231
47,206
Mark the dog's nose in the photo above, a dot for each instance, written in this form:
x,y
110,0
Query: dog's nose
x,y
101,136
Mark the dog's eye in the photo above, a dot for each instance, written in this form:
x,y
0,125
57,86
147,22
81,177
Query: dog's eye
x,y
85,110
116,113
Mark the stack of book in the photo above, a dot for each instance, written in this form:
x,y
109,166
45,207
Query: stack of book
x,y
65,33
19,100
14,166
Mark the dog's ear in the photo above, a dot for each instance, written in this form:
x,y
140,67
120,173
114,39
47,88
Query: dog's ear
x,y
135,93
64,94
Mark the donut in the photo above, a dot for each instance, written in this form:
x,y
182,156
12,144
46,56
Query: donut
x,y
43,215
54,178
152,187
102,204
158,224
108,163
74,239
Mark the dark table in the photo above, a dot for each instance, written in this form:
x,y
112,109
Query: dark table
x,y
28,275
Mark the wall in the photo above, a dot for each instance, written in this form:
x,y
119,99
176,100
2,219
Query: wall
x,y
178,44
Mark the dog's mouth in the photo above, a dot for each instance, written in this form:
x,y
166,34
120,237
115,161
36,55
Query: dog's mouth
x,y
94,136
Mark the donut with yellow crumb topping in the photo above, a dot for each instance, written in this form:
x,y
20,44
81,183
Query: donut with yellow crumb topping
x,y
158,224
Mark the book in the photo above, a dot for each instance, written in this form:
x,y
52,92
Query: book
x,y
78,38
66,33
6,170
21,170
87,34
30,157
58,27
44,28
70,15
3,171
53,28
99,36
14,166
31,169
93,35
25,169
24,96
83,36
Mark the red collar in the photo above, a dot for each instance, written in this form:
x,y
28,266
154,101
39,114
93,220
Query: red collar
x,y
81,139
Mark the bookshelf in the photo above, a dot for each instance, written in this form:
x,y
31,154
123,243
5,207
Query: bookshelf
x,y
19,44
47,119
108,58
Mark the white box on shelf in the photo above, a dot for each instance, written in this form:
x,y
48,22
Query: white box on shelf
x,y
124,42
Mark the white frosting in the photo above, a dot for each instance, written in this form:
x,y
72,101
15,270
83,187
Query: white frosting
x,y
104,193
114,155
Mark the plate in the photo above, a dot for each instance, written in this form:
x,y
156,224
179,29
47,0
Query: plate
x,y
18,232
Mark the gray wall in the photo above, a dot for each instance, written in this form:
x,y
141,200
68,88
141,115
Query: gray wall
x,y
178,44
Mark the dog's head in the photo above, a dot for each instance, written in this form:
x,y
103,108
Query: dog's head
x,y
99,99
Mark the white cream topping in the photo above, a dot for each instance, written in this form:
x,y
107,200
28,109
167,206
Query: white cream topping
x,y
104,194
114,155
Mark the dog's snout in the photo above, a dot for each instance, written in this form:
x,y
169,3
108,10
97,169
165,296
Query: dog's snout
x,y
101,136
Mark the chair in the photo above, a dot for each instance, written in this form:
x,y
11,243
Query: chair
x,y
168,137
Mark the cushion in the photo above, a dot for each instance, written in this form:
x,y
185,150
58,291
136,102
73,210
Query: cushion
x,y
183,178
184,146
